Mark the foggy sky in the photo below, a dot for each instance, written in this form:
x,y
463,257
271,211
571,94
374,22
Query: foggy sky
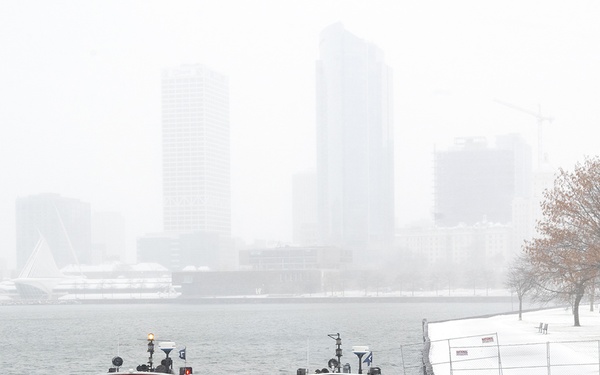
x,y
80,93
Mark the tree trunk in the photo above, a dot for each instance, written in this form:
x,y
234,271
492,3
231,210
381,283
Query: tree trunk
x,y
578,298
592,295
520,307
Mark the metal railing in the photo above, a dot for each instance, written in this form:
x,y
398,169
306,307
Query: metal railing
x,y
484,355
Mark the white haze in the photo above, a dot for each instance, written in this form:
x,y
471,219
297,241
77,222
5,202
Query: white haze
x,y
80,93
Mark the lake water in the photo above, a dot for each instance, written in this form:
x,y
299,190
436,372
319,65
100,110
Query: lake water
x,y
220,338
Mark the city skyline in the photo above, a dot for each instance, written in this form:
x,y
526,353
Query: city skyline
x,y
81,113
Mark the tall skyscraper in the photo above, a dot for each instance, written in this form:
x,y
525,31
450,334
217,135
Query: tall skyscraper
x,y
355,146
65,224
196,162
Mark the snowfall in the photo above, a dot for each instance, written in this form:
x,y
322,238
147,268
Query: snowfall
x,y
503,344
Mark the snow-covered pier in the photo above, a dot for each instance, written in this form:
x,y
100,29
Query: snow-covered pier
x,y
503,344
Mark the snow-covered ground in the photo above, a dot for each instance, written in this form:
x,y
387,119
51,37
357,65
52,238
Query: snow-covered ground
x,y
485,345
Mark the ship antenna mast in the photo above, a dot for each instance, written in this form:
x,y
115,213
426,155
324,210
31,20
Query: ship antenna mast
x,y
338,350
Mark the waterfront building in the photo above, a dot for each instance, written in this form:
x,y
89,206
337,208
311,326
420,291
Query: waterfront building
x,y
355,147
108,281
287,270
64,223
40,274
295,258
196,158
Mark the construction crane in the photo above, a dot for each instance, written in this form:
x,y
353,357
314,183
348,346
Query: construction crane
x,y
540,122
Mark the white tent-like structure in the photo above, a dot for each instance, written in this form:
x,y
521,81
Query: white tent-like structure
x,y
40,275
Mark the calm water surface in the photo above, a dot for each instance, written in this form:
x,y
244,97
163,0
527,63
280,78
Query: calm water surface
x,y
233,338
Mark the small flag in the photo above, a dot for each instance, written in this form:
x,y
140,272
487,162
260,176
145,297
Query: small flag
x,y
369,359
182,354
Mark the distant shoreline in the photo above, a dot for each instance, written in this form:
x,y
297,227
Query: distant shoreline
x,y
270,300
368,299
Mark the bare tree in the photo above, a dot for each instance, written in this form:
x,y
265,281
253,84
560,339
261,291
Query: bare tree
x,y
520,279
566,252
561,272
